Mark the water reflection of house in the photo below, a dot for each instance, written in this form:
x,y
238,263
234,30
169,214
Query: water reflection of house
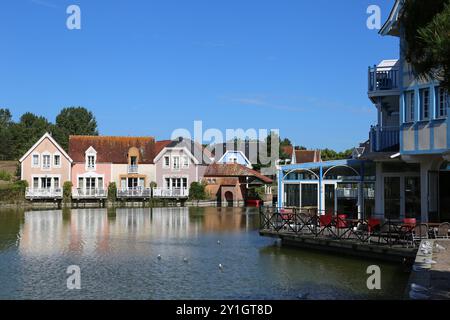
x,y
228,221
43,233
153,222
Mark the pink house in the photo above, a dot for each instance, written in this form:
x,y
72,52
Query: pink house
x,y
45,166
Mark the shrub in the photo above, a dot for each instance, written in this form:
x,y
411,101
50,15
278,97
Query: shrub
x,y
5,176
112,192
67,191
20,186
197,191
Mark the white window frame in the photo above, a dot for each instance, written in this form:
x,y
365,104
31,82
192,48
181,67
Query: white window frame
x,y
442,99
167,166
185,162
43,156
410,112
38,161
425,104
57,154
173,163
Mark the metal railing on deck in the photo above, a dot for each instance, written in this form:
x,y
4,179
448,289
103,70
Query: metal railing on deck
x,y
384,138
297,221
382,78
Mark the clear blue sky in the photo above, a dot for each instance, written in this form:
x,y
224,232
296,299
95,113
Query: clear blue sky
x,y
149,67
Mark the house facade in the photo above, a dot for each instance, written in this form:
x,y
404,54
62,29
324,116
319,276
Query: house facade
x,y
410,142
45,166
403,170
100,160
179,163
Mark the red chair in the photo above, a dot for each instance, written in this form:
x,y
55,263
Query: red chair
x,y
340,222
410,221
372,224
325,223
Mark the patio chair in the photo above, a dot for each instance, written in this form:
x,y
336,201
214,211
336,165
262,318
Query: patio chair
x,y
373,227
341,224
419,233
325,223
442,231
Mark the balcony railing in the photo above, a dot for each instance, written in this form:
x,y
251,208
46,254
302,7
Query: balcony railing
x,y
382,78
133,168
97,193
137,192
170,193
43,193
384,138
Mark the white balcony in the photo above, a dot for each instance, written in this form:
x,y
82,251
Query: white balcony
x,y
170,193
97,193
43,193
137,192
133,168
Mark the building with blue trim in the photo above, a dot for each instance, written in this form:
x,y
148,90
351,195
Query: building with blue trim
x,y
403,171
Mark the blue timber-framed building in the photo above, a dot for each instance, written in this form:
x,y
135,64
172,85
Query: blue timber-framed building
x,y
407,156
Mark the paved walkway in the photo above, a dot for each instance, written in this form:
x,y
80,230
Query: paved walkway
x,y
430,277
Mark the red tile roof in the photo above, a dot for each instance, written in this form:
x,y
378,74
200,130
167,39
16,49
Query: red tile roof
x,y
112,149
159,145
306,156
287,150
234,170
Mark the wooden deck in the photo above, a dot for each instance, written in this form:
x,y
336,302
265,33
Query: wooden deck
x,y
395,253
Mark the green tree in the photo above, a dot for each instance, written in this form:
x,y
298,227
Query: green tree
x,y
328,154
197,191
6,145
426,26
25,133
74,121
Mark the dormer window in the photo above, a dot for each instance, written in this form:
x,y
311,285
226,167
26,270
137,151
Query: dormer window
x,y
91,162
91,158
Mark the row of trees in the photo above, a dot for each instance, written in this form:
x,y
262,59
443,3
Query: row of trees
x,y
17,137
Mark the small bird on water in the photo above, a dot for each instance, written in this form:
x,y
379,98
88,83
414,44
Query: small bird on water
x,y
218,241
220,266
159,257
185,260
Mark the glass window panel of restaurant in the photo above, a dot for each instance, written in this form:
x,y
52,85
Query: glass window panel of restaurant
x,y
412,197
309,196
347,202
392,197
292,193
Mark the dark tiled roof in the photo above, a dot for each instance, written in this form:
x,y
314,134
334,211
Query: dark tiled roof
x,y
306,156
234,170
112,149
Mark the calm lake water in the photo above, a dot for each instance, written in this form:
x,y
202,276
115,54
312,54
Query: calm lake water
x,y
117,252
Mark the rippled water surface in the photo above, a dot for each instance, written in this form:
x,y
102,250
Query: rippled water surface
x,y
117,252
